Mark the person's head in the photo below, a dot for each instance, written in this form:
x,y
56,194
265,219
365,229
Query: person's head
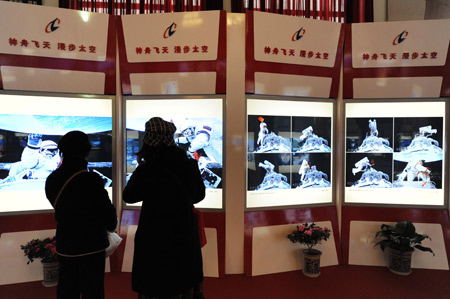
x,y
74,144
159,132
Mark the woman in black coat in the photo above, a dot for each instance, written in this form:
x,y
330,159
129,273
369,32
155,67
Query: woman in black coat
x,y
84,213
167,255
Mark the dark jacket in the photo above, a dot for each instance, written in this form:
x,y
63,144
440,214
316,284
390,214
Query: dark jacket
x,y
167,254
84,213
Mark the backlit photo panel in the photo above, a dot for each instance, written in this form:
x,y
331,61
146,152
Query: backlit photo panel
x,y
30,129
289,153
412,156
199,124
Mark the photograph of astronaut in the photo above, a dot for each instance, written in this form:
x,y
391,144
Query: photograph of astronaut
x,y
369,170
415,144
418,152
202,138
288,152
266,173
30,161
419,136
395,152
311,170
311,134
30,148
418,174
369,135
269,134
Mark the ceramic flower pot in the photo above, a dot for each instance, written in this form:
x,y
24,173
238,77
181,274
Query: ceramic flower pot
x,y
400,263
51,271
311,262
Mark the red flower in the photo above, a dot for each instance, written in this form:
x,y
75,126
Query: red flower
x,y
40,249
309,234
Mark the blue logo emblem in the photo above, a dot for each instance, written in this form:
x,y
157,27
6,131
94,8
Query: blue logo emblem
x,y
170,30
298,34
52,26
400,38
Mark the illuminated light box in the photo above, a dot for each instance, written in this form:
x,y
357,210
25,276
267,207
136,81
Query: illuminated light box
x,y
395,153
30,129
199,123
289,153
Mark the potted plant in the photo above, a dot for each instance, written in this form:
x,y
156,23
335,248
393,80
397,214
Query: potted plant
x,y
401,239
310,235
44,250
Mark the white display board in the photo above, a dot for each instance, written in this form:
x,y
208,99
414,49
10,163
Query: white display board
x,y
44,31
291,40
395,153
179,36
400,44
289,152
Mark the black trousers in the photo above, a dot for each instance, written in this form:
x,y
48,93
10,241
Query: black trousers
x,y
83,276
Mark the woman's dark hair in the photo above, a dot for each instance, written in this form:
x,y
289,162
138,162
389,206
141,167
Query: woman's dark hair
x,y
75,144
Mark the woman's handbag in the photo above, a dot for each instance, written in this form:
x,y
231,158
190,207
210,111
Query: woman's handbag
x,y
114,242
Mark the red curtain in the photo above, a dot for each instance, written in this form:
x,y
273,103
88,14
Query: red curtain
x,y
330,10
121,7
359,11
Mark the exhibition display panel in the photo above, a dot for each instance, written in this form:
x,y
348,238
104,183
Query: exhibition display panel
x,y
199,122
289,152
31,126
395,152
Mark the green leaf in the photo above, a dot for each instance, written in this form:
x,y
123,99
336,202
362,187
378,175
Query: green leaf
x,y
380,234
406,228
383,244
401,237
420,247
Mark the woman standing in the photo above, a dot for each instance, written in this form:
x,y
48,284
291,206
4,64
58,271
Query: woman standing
x,y
84,213
167,255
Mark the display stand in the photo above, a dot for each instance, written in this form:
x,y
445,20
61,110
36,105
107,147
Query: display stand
x,y
284,219
56,64
293,62
397,66
366,221
177,71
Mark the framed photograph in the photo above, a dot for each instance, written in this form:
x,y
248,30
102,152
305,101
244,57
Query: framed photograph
x,y
31,126
395,153
199,123
289,153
